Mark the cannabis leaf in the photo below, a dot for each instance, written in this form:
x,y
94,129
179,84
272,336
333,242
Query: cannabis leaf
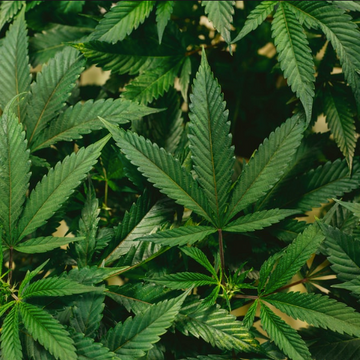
x,y
285,337
52,87
294,55
216,326
220,13
14,171
209,138
164,10
341,123
14,66
318,310
136,335
121,20
56,187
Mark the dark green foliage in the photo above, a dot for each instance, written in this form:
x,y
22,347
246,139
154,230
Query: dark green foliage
x,y
194,205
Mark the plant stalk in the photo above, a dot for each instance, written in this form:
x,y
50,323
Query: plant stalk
x,y
10,264
222,257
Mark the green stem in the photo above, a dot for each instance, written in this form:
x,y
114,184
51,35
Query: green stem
x,y
222,257
10,264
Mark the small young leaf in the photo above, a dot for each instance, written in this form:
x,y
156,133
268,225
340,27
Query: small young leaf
x,y
184,280
250,314
30,275
185,78
88,227
199,257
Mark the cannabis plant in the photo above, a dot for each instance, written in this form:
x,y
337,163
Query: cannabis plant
x,y
184,226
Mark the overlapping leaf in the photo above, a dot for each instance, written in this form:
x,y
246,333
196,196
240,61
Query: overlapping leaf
x,y
267,165
294,257
256,18
43,46
51,89
339,30
341,123
8,10
318,186
10,342
210,141
220,13
343,252
121,20
164,10
88,227
143,218
285,337
153,82
56,187
83,118
87,314
14,66
47,331
217,327
88,349
332,346
161,169
134,55
14,172
353,207
130,340
258,220
318,310
294,55
137,297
